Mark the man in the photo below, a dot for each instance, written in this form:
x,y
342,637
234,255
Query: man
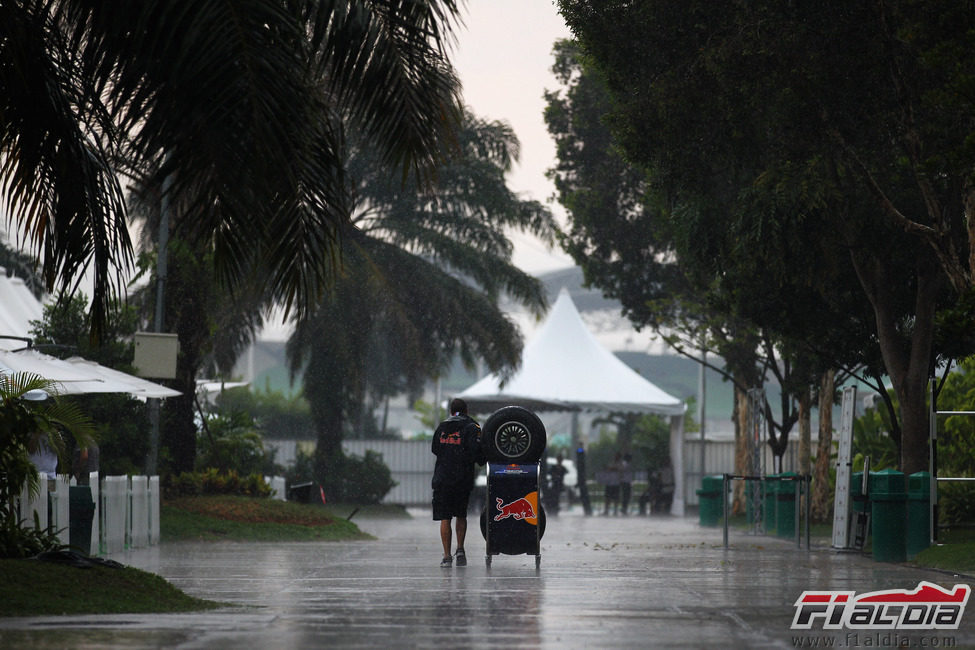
x,y
457,445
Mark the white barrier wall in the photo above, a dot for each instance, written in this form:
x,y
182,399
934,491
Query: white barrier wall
x,y
154,495
277,487
59,511
96,529
115,513
29,507
126,509
138,512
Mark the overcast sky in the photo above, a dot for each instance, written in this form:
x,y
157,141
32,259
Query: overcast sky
x,y
504,56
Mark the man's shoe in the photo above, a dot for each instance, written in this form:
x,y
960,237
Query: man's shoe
x,y
446,562
461,557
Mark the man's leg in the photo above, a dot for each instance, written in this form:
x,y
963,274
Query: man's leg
x,y
445,536
461,531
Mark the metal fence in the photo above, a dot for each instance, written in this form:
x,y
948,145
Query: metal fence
x,y
410,464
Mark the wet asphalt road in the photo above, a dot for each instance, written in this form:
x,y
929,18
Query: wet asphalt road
x,y
604,582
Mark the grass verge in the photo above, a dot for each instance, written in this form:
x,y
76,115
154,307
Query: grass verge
x,y
35,588
212,518
954,552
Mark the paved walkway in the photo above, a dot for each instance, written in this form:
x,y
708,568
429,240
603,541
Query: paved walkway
x,y
604,582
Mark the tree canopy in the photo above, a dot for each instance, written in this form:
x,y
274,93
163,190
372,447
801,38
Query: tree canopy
x,y
238,104
800,147
423,271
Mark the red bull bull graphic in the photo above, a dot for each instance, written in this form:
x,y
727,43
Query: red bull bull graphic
x,y
522,509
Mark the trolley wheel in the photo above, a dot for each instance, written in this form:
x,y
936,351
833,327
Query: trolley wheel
x,y
487,561
538,562
513,434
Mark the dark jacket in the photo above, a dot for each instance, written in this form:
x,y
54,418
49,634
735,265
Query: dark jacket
x,y
457,445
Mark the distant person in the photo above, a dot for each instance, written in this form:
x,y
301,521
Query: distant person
x,y
84,462
45,458
626,483
556,483
457,445
611,482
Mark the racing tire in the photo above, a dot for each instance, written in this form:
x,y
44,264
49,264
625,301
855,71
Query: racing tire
x,y
513,435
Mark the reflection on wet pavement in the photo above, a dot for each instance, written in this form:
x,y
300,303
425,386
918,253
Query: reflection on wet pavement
x,y
622,582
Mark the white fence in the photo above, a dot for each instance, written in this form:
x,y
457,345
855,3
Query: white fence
x,y
126,511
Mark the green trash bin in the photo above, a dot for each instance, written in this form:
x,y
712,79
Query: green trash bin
x,y
918,513
768,504
888,514
857,498
81,513
785,506
710,511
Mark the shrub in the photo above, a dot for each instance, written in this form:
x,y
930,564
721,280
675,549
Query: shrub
x,y
231,443
351,479
214,481
18,541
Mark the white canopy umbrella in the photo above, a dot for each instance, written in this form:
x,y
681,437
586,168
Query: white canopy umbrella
x,y
77,376
131,384
564,367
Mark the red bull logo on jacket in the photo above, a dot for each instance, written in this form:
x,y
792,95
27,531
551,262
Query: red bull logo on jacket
x,y
522,509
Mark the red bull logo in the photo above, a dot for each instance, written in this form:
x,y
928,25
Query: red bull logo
x,y
521,509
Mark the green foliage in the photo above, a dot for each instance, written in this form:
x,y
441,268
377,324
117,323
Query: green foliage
x,y
430,416
424,266
23,422
214,481
231,443
65,330
871,437
276,415
956,442
651,443
20,541
119,421
600,453
350,479
768,206
645,437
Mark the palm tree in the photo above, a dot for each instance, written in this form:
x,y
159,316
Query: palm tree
x,y
423,273
236,102
30,410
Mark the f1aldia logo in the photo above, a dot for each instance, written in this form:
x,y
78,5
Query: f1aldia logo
x,y
928,607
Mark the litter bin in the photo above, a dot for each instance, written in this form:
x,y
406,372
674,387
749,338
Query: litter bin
x,y
81,513
888,510
771,489
710,512
301,492
918,513
785,506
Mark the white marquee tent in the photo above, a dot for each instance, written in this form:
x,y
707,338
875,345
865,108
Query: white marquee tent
x,y
564,368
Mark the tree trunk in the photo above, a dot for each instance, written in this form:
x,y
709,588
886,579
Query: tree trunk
x,y
805,432
743,461
907,357
822,503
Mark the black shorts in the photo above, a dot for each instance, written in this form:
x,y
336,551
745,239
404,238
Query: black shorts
x,y
450,502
